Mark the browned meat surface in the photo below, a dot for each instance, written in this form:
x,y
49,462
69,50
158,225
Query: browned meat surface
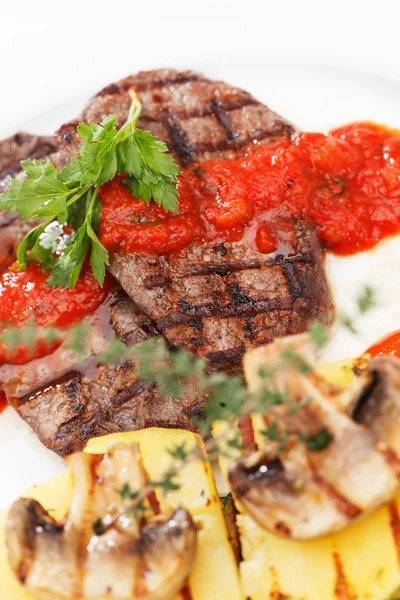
x,y
19,147
220,301
68,399
198,119
215,301
12,150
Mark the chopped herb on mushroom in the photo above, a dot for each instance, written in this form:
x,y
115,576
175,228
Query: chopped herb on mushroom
x,y
340,460
102,551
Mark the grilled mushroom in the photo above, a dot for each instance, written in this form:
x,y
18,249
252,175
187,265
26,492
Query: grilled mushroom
x,y
103,550
336,465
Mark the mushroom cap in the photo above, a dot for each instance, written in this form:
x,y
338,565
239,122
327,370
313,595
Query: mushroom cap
x,y
132,555
306,491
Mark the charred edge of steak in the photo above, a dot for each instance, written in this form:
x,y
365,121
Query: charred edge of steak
x,y
19,147
91,410
197,118
89,399
149,80
22,146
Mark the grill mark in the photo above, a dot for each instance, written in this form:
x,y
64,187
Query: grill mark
x,y
345,506
224,120
293,283
250,327
156,281
233,356
154,84
237,294
137,388
186,594
393,460
152,496
204,111
245,426
178,141
395,526
342,587
276,593
222,268
139,585
252,308
163,83
87,429
69,377
281,130
229,267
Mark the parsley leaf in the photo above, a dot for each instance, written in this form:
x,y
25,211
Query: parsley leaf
x,y
70,197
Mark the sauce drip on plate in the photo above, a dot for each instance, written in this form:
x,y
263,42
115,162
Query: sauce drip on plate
x,y
346,182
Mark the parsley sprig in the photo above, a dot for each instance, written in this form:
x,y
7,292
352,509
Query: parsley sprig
x,y
70,197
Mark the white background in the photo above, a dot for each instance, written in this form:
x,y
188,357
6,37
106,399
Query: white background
x,y
51,50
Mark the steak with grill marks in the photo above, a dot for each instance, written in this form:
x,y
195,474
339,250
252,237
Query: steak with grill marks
x,y
68,399
12,150
215,301
19,147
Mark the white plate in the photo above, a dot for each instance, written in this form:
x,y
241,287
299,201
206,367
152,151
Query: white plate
x,y
314,98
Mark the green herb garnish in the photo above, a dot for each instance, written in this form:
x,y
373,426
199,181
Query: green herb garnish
x,y
366,300
70,197
98,527
317,442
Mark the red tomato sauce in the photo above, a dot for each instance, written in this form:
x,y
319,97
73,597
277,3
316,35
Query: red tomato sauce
x,y
3,401
387,346
25,298
346,182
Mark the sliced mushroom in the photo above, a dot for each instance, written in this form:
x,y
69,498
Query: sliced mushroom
x,y
312,490
104,550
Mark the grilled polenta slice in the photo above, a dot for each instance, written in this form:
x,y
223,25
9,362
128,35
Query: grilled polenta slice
x,y
361,562
215,573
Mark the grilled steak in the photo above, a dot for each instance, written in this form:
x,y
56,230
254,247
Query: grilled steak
x,y
66,398
199,119
215,301
218,301
12,150
19,147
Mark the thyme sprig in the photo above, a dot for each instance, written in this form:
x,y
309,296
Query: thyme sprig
x,y
228,399
365,301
